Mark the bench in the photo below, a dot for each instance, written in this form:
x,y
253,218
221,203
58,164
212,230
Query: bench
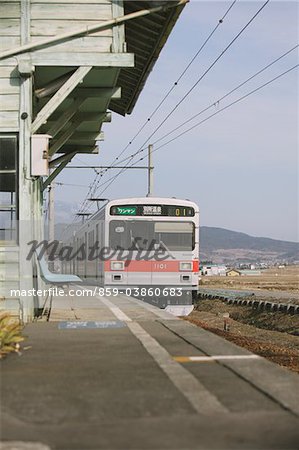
x,y
53,279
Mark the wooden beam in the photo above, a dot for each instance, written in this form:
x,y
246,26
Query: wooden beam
x,y
119,31
100,93
87,146
70,130
65,117
90,92
100,116
94,117
52,86
58,170
82,141
56,161
59,97
83,59
81,135
80,149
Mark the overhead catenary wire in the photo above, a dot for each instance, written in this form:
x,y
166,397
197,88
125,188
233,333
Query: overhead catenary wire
x,y
196,83
96,181
217,102
213,104
220,21
209,117
206,71
225,108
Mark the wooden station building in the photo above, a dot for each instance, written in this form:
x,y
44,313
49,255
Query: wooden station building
x,y
64,66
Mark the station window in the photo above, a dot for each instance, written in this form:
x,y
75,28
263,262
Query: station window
x,y
8,188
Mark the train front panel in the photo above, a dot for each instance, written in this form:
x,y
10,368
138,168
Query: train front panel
x,y
154,245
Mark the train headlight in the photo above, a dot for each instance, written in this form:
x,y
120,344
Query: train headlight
x,y
186,266
117,265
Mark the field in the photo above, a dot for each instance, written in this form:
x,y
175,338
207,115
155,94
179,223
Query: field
x,y
275,279
273,335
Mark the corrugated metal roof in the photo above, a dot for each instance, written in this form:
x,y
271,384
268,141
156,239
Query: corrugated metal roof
x,y
145,37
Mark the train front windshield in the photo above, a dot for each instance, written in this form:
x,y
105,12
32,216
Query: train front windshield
x,y
143,235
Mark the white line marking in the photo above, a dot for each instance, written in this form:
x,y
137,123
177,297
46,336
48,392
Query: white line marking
x,y
154,309
215,358
203,358
119,314
200,398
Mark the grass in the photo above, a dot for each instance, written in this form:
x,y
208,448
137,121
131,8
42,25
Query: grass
x,y
10,335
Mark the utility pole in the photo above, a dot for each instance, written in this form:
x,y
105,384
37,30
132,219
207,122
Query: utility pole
x,y
150,171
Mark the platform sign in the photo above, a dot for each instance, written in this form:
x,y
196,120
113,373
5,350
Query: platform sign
x,y
79,324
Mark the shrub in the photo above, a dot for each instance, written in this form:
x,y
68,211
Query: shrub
x,y
10,335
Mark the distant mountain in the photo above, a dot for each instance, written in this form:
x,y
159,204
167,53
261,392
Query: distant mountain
x,y
224,246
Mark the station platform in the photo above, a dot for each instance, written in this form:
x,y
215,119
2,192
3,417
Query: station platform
x,y
117,373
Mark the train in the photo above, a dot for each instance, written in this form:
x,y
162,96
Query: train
x,y
145,247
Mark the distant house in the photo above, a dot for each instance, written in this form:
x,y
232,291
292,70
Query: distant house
x,y
213,270
233,273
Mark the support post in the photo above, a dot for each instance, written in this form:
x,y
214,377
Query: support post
x,y
59,97
58,170
27,216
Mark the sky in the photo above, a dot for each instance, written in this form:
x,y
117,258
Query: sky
x,y
241,166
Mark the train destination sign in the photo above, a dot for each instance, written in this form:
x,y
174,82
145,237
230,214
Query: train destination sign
x,y
125,210
152,210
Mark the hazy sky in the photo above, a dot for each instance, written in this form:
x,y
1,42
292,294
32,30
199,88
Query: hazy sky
x,y
241,166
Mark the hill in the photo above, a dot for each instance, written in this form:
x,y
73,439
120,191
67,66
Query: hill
x,y
225,246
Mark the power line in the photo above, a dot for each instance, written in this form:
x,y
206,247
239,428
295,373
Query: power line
x,y
207,71
224,108
214,114
95,183
196,83
220,21
217,102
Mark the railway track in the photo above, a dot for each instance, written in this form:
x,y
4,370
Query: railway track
x,y
248,298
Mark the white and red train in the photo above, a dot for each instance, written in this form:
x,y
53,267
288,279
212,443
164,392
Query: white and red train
x,y
144,247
